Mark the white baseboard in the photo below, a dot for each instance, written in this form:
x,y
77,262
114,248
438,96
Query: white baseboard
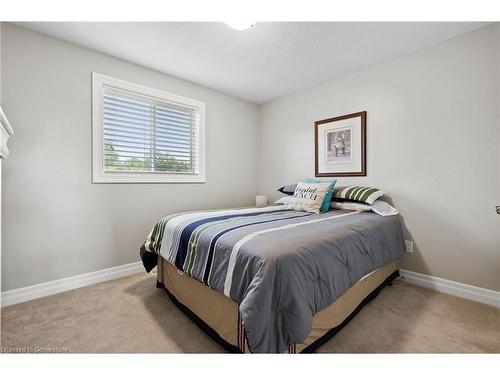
x,y
466,291
14,296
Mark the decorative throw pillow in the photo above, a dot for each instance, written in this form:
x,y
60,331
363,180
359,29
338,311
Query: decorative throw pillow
x,y
325,206
357,193
308,197
288,189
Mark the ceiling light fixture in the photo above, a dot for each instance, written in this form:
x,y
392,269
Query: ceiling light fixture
x,y
240,25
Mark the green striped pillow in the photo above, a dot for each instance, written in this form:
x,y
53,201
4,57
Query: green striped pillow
x,y
358,193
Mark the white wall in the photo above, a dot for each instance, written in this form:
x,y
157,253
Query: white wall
x,y
56,223
432,144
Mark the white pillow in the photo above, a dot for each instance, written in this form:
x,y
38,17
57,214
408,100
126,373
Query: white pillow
x,y
284,200
383,208
308,196
353,206
379,207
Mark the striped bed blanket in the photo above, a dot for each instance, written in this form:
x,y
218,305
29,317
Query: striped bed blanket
x,y
281,266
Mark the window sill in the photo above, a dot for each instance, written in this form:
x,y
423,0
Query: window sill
x,y
133,178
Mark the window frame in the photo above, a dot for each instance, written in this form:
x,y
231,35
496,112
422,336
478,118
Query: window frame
x,y
99,175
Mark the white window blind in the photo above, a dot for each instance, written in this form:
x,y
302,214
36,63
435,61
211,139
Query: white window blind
x,y
145,134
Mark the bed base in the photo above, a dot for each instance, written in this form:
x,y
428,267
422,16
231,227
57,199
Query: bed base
x,y
311,348
200,323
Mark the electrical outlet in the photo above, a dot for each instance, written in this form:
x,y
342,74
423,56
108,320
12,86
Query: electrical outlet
x,y
409,246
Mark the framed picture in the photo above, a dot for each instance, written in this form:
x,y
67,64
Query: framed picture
x,y
340,146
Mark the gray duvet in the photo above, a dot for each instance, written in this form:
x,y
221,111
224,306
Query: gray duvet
x,y
281,266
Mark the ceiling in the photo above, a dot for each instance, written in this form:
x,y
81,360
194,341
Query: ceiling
x,y
260,64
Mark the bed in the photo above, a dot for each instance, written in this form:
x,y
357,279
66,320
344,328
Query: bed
x,y
271,279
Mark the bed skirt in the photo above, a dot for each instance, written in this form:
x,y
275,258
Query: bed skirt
x,y
218,316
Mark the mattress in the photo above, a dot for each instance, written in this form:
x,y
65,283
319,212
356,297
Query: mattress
x,y
281,267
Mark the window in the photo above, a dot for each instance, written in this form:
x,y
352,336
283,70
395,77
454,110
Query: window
x,y
145,135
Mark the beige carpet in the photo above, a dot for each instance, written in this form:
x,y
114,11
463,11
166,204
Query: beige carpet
x,y
131,315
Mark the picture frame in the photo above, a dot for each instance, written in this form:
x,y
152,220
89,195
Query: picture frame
x,y
340,146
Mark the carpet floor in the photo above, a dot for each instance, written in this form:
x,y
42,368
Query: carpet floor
x,y
130,315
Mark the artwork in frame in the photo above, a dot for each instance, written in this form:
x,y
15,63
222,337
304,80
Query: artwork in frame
x,y
340,146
